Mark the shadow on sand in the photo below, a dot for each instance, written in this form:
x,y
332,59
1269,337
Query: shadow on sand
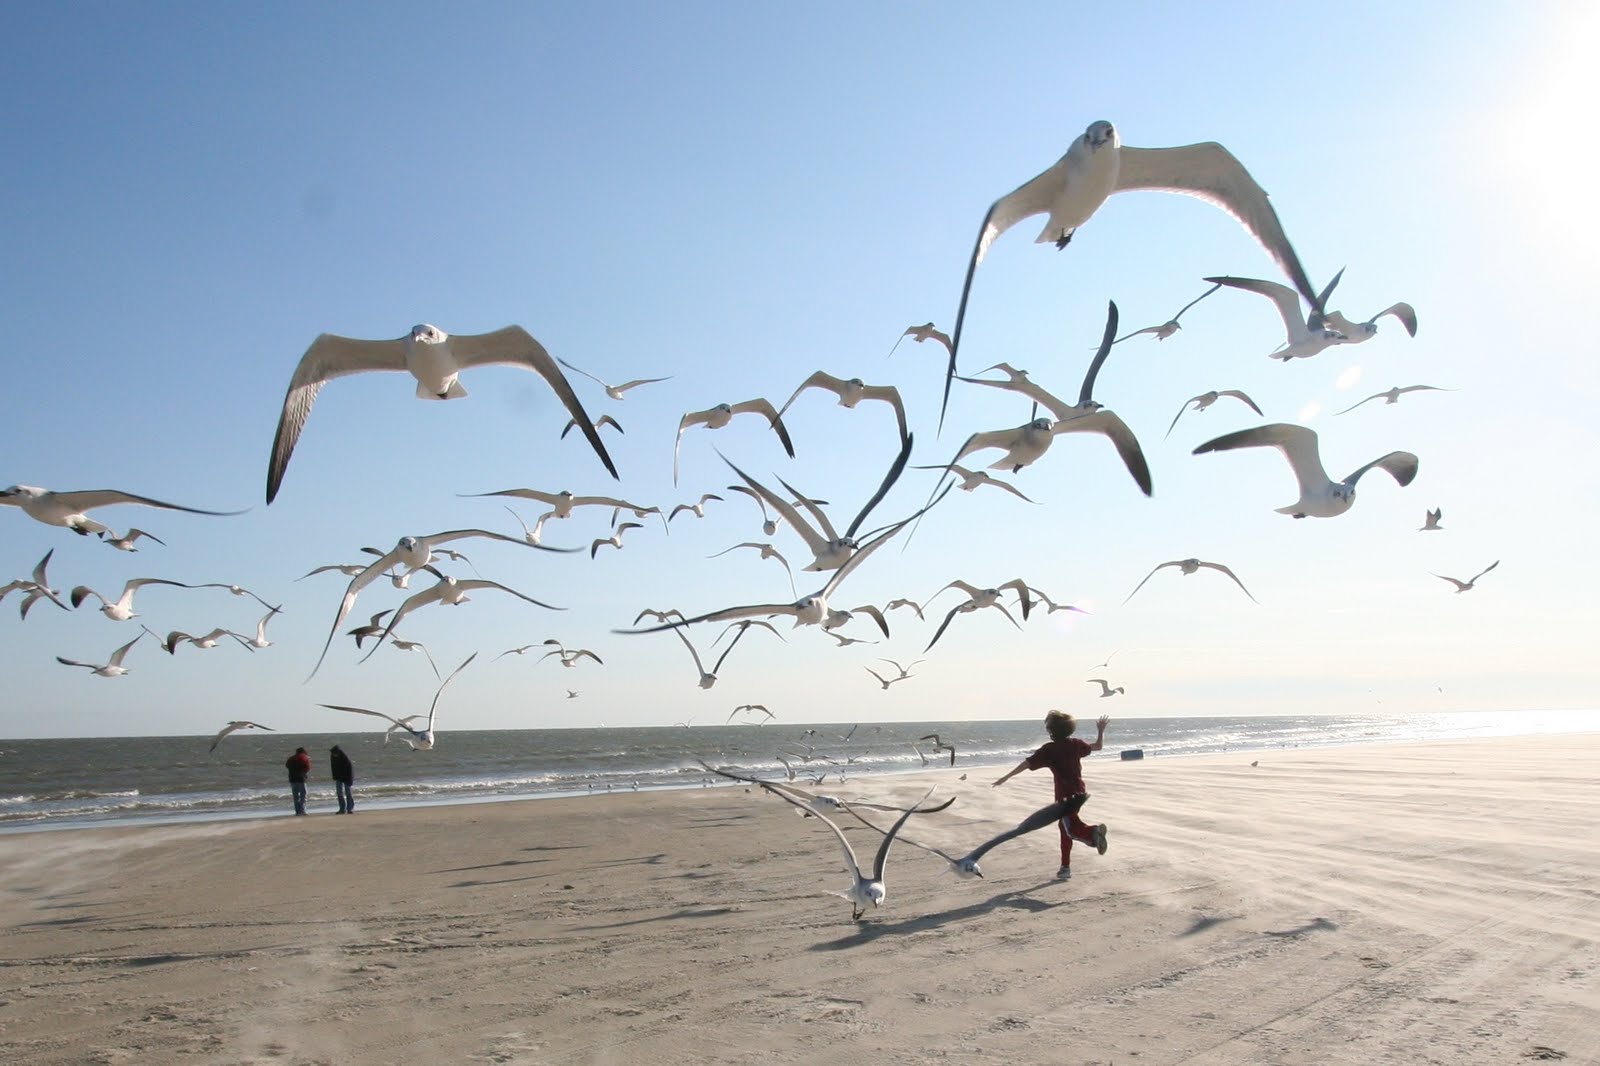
x,y
1015,899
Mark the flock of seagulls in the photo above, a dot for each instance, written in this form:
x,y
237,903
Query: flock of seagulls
x,y
1095,166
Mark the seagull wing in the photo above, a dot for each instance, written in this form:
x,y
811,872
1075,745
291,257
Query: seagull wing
x,y
515,346
1086,394
434,706
551,498
957,609
1210,172
1369,399
764,407
585,373
362,710
1241,397
698,665
814,540
1214,287
1282,297
330,356
1110,425
1403,312
895,470
1175,418
1147,577
1223,569
1033,391
85,499
888,838
1402,466
1297,443
1485,570
357,583
873,613
820,380
994,438
1045,816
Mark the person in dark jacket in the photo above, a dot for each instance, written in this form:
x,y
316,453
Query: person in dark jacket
x,y
299,765
344,775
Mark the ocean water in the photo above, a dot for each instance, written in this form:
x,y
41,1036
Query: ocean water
x,y
138,780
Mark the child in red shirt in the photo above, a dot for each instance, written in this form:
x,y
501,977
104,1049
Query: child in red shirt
x,y
1064,756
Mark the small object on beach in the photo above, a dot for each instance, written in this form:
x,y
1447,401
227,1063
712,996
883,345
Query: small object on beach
x,y
1132,754
1255,762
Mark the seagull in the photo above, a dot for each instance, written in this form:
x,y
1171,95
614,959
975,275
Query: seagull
x,y
752,708
1303,336
124,543
260,639
1189,566
237,590
845,642
744,625
569,657
829,548
720,415
615,540
939,745
1430,521
698,508
603,420
1320,497
886,681
114,668
121,609
1393,395
1050,606
852,392
972,479
836,618
415,645
706,679
1357,332
1027,443
36,589
561,505
452,592
232,726
924,332
864,891
1097,666
1170,326
613,391
769,525
1098,165
419,739
371,629
767,552
69,508
905,671
205,642
1105,688
1206,399
659,616
1464,586
414,553
988,597
430,355
976,603
347,569
894,604
572,693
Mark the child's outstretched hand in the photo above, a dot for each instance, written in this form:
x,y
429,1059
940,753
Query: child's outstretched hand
x,y
1105,720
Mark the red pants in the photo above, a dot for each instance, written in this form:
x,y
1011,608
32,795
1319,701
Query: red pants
x,y
1073,828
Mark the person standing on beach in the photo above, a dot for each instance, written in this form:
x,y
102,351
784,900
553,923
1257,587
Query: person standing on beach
x,y
344,776
1064,754
299,765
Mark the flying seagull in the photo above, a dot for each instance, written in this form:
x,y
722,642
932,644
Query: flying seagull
x,y
1105,687
121,609
1465,586
452,592
1189,566
603,420
124,543
114,667
924,332
752,708
940,745
1206,399
613,391
205,642
36,589
415,645
1304,335
851,392
615,540
767,552
1393,395
1170,326
70,509
1096,166
1357,332
972,479
1027,443
234,726
1320,496
698,508
1431,520
419,739
430,355
720,415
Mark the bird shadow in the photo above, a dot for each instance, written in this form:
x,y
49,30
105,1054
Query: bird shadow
x,y
1315,925
686,912
501,881
554,847
1203,922
1014,899
490,865
643,860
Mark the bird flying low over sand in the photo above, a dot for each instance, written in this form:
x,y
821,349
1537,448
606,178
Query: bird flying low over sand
x,y
70,509
1320,496
432,356
1206,399
720,415
1466,586
233,727
1098,165
1393,395
1305,334
420,739
1190,566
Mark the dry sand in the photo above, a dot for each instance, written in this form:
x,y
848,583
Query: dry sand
x,y
1430,903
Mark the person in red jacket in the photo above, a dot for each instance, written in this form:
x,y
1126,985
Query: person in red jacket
x,y
1064,756
299,765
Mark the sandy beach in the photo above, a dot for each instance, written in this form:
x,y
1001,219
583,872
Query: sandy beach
x,y
1422,903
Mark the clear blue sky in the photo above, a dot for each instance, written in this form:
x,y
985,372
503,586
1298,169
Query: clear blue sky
x,y
738,195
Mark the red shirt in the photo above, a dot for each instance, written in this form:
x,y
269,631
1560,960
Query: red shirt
x,y
1065,760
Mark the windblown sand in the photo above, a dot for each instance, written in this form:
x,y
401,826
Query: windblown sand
x,y
1430,903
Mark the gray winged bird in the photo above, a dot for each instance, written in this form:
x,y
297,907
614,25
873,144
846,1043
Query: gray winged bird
x,y
452,592
420,739
125,542
1320,495
430,355
851,392
971,480
113,667
1391,396
1357,332
1170,326
1206,399
233,727
1466,586
1098,165
36,589
602,421
924,332
1305,334
614,391
1190,566
69,509
1431,520
720,415
1027,443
